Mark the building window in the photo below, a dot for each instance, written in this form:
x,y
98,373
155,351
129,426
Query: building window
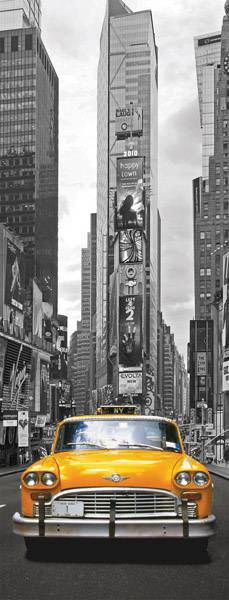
x,y
209,272
2,45
29,41
202,272
14,43
202,235
217,181
202,295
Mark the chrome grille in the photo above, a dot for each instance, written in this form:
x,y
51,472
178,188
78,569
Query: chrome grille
x,y
129,503
192,510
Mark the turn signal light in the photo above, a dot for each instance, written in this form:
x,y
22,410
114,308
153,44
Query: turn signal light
x,y
46,495
191,496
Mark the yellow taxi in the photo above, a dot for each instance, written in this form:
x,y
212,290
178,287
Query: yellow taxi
x,y
117,476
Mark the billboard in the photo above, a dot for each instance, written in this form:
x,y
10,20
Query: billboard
x,y
130,246
130,209
150,394
44,387
128,122
16,376
37,310
23,429
130,382
226,322
14,276
201,366
3,346
47,321
130,331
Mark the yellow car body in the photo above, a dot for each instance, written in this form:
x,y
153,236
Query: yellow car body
x,y
116,492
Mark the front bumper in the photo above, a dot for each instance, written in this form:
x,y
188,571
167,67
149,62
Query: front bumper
x,y
100,528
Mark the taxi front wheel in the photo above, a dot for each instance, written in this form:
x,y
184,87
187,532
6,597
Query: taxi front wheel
x,y
35,546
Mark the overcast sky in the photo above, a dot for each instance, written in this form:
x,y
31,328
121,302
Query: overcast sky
x,y
71,32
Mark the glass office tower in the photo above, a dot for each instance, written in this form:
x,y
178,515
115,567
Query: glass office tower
x,y
207,52
29,147
127,77
15,14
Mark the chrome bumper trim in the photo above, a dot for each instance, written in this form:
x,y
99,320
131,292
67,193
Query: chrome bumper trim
x,y
99,528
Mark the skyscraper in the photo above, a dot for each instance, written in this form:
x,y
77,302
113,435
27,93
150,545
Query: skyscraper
x,y
83,341
126,242
16,14
29,141
207,52
211,227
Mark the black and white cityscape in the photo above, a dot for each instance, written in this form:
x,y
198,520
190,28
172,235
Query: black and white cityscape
x,y
117,348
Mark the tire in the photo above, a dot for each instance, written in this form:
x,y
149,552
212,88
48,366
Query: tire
x,y
34,546
198,545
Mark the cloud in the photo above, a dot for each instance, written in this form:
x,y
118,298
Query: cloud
x,y
180,142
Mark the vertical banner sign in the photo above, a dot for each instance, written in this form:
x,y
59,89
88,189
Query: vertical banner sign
x,y
3,346
37,310
128,121
130,246
14,277
44,387
201,363
130,331
130,211
226,323
23,429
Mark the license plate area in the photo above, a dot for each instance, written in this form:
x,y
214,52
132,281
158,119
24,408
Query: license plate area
x,y
68,508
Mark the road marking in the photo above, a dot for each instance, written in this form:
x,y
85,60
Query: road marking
x,y
2,505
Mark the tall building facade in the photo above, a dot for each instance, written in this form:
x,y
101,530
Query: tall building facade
x,y
127,218
211,219
16,14
29,141
83,341
172,377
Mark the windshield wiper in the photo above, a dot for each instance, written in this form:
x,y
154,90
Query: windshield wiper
x,y
90,444
149,447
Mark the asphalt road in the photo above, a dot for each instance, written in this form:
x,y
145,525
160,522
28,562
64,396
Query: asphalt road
x,y
112,570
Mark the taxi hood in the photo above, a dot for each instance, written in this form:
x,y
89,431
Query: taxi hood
x,y
138,468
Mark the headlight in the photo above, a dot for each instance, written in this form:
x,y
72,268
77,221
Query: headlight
x,y
31,479
48,479
183,478
201,478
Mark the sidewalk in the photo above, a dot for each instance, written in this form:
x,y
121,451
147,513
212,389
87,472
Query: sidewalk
x,y
221,471
12,470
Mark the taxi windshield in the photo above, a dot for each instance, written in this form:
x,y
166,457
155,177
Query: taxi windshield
x,y
118,434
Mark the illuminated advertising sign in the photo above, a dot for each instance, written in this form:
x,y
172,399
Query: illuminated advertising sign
x,y
201,363
23,429
14,277
44,387
37,310
128,121
226,322
16,377
214,39
3,346
130,246
130,210
130,382
130,331
197,195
